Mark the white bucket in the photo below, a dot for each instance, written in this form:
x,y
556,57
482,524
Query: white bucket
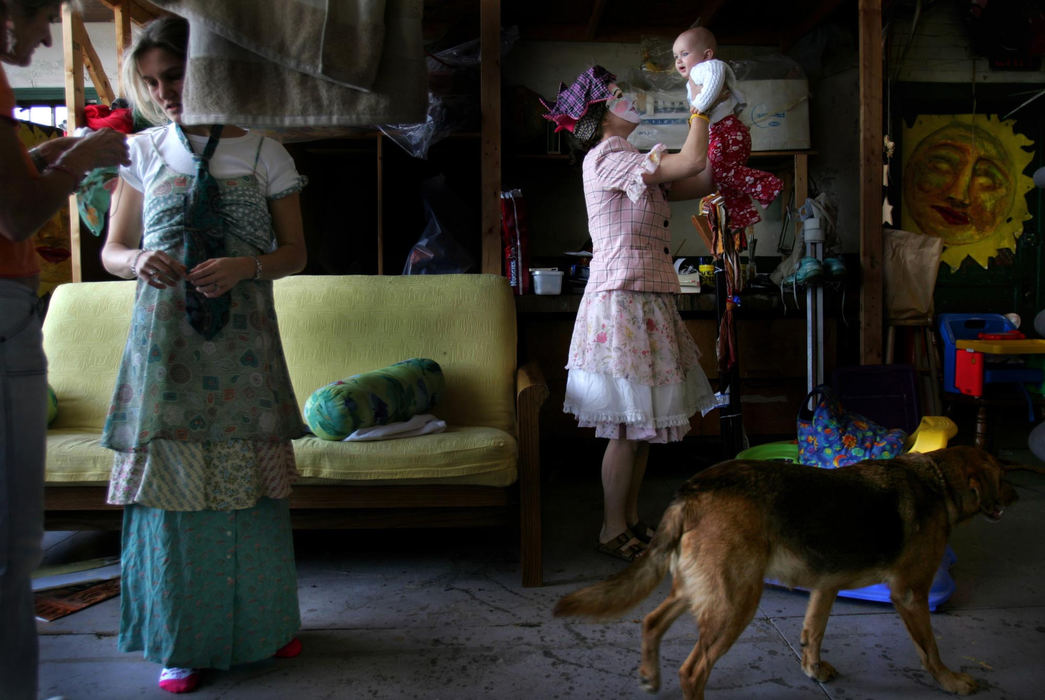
x,y
546,280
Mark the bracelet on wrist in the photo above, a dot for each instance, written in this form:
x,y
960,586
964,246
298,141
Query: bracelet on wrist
x,y
58,167
134,265
257,267
700,115
39,162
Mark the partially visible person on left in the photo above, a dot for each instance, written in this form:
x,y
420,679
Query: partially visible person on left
x,y
33,187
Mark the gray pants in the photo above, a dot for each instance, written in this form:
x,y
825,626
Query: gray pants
x,y
23,426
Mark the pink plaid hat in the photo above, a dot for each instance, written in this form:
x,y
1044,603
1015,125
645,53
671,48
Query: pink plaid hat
x,y
591,86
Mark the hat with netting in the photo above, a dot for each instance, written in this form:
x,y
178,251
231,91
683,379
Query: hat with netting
x,y
573,103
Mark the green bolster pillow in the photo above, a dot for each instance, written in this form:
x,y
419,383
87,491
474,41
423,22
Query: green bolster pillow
x,y
388,395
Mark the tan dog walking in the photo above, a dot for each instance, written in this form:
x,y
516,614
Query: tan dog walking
x,y
734,525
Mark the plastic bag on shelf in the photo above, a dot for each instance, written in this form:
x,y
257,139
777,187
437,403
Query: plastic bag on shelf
x,y
437,252
453,97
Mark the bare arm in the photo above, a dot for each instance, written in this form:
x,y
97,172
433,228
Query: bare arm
x,y
28,200
51,150
692,187
690,161
216,276
121,255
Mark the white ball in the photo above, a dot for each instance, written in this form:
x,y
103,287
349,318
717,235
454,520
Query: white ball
x,y
1039,177
1039,323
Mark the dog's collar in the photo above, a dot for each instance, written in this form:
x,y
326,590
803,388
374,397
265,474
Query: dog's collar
x,y
939,475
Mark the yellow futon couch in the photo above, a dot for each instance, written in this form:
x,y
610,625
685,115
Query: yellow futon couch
x,y
483,470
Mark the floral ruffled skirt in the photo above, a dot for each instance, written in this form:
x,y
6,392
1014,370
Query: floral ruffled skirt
x,y
634,369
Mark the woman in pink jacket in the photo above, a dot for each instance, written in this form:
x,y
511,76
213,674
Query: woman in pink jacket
x,y
634,371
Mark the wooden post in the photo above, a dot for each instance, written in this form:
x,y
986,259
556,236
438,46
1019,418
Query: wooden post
x,y
93,63
871,287
74,101
490,103
121,16
801,189
380,164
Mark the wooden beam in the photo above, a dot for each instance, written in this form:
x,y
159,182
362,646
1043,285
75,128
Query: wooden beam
x,y
93,64
121,18
72,51
140,11
806,24
379,150
490,104
801,185
871,247
593,22
708,10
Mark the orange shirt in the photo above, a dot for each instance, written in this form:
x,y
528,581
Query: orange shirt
x,y
16,259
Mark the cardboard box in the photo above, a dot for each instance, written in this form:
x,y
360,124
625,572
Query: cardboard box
x,y
775,111
665,119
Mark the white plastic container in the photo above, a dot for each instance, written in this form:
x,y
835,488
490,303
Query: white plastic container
x,y
546,280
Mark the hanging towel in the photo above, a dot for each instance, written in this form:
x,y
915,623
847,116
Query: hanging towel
x,y
303,63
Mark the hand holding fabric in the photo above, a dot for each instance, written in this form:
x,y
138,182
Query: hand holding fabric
x,y
158,269
215,277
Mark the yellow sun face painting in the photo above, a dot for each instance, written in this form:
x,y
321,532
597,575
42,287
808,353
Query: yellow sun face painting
x,y
963,181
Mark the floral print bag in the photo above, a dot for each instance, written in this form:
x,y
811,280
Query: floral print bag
x,y
829,436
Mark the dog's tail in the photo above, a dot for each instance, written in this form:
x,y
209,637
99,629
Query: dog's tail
x,y
1015,467
615,595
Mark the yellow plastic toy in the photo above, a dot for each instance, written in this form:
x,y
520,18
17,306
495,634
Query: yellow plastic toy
x,y
932,433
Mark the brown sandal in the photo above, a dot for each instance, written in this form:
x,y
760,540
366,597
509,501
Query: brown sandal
x,y
641,531
624,546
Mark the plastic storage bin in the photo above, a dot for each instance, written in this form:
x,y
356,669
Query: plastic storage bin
x,y
546,280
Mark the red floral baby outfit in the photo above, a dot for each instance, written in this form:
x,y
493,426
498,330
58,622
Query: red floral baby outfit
x,y
728,151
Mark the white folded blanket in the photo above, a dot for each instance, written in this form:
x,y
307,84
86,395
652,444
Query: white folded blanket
x,y
421,424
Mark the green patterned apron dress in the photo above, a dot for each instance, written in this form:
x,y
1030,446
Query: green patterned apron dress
x,y
203,465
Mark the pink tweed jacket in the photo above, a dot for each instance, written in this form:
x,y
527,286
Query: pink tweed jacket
x,y
628,221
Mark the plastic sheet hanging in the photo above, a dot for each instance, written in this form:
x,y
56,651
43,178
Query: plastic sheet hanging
x,y
453,97
437,252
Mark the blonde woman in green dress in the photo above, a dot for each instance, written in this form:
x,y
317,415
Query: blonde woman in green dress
x,y
203,412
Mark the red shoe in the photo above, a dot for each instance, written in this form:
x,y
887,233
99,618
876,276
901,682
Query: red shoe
x,y
179,680
292,649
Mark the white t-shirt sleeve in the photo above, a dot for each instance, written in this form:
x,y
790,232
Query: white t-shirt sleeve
x,y
277,172
141,154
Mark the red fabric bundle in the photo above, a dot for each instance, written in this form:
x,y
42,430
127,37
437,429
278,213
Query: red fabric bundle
x,y
100,116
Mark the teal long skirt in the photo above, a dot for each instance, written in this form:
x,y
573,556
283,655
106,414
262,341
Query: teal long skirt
x,y
208,589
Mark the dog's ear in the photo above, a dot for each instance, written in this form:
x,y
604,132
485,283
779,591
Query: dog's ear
x,y
974,493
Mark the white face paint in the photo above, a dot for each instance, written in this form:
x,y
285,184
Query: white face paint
x,y
624,107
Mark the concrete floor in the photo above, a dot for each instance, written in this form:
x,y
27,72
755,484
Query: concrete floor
x,y
441,614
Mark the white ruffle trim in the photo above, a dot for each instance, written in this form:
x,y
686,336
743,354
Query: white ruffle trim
x,y
653,413
636,186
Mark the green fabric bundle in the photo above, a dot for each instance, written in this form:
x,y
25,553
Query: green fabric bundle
x,y
388,395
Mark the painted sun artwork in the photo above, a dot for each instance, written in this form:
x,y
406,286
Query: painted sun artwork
x,y
963,181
